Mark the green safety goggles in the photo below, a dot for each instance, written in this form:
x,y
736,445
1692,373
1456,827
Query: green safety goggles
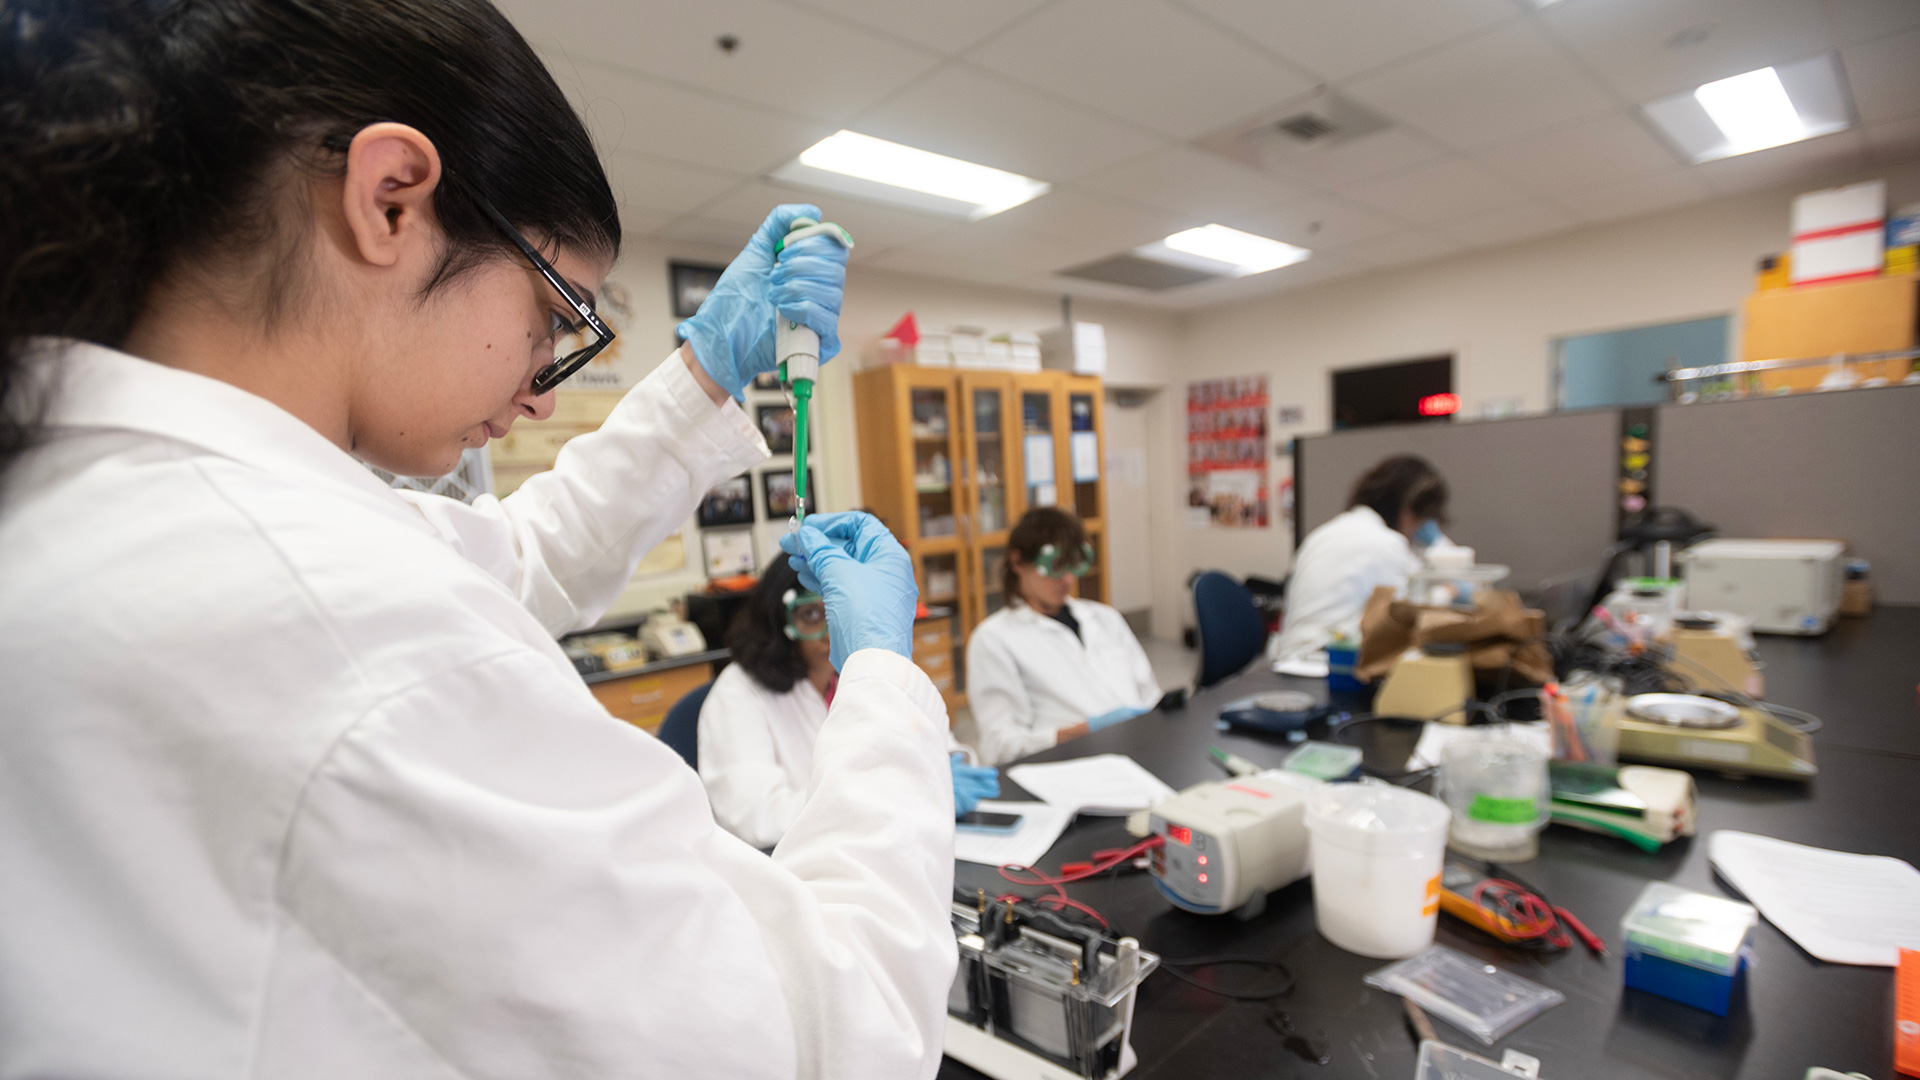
x,y
1051,563
806,615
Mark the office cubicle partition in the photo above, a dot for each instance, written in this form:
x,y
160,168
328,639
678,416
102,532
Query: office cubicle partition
x,y
1538,493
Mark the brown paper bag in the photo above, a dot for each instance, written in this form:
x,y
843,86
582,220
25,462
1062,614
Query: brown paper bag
x,y
1500,633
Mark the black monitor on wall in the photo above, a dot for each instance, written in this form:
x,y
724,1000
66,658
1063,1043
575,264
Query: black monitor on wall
x,y
1403,392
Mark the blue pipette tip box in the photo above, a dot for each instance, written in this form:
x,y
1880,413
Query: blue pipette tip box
x,y
1688,946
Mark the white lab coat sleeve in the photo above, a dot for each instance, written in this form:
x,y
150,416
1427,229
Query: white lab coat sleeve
x,y
867,952
566,541
528,887
1002,711
753,796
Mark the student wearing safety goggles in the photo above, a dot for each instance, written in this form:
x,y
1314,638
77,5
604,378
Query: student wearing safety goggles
x,y
1050,666
760,720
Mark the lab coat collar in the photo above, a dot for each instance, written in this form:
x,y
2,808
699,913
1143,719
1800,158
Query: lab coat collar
x,y
95,387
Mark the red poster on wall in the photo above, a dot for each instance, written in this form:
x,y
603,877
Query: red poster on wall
x,y
1227,453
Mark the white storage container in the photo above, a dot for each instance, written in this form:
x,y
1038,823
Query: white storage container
x,y
1784,586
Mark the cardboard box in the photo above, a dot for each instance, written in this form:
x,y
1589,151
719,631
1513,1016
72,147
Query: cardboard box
x,y
1872,315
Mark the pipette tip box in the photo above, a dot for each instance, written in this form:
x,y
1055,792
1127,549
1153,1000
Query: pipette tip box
x,y
1688,946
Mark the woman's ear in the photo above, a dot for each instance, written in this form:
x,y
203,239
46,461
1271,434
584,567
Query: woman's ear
x,y
387,196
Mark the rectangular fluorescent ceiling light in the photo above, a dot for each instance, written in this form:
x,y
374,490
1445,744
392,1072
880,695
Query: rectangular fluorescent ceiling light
x,y
1767,107
850,163
1223,251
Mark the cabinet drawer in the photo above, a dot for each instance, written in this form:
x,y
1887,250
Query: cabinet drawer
x,y
932,637
643,700
936,664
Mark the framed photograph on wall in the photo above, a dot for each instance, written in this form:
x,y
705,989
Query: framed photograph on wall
x,y
778,487
691,282
776,426
729,502
727,553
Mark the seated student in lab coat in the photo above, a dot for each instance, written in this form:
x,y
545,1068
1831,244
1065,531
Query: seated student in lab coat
x,y
1394,514
760,720
295,781
1049,666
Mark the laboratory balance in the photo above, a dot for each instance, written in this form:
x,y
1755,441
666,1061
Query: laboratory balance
x,y
1687,729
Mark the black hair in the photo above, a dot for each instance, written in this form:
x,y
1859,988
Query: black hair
x,y
143,138
1037,528
1402,482
758,636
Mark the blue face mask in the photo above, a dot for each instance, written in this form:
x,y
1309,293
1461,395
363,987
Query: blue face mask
x,y
1428,534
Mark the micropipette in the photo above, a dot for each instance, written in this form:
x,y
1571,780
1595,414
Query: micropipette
x,y
797,348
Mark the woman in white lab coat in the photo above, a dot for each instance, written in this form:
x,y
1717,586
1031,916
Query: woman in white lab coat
x,y
761,718
1049,666
294,780
1394,514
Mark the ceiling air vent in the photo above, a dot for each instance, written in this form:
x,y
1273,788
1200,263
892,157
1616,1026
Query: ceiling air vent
x,y
1307,127
1295,131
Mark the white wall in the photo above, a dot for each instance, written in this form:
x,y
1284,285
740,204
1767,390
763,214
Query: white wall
x,y
1498,311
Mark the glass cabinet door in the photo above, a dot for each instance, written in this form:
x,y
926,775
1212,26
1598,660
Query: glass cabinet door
x,y
1083,455
1040,470
940,578
932,432
989,502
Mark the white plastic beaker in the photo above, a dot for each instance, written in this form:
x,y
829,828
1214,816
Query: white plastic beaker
x,y
1376,854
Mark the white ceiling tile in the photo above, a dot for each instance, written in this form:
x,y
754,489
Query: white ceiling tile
x,y
1511,223
1317,223
1408,246
1072,214
1393,150
968,114
630,113
1885,76
749,203
1335,40
1610,146
636,222
910,260
1022,250
655,184
709,232
1647,49
1498,85
676,42
942,25
1440,192
1863,20
1142,60
1637,195
1195,185
1895,142
1813,162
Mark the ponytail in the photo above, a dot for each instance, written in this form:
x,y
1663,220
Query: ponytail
x,y
83,186
139,136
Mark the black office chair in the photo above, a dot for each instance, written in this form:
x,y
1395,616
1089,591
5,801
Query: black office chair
x,y
1231,629
681,728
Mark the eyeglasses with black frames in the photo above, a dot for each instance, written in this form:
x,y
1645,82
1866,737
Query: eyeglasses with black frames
x,y
589,327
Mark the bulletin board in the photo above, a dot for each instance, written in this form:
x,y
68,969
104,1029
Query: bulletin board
x,y
1227,460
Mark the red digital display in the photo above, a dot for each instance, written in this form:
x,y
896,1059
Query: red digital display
x,y
1439,404
1180,834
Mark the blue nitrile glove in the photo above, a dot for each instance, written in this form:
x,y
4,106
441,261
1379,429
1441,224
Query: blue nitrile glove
x,y
732,333
1117,716
864,575
971,783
